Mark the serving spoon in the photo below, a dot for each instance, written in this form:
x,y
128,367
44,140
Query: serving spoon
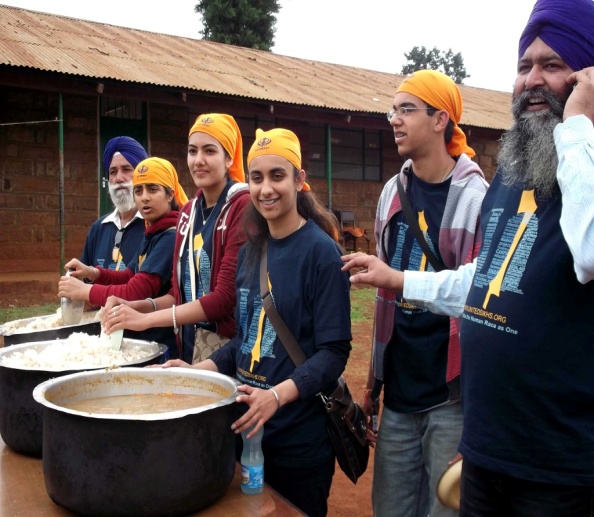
x,y
116,339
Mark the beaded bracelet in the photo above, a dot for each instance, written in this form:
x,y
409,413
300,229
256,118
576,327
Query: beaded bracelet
x,y
153,303
278,405
175,327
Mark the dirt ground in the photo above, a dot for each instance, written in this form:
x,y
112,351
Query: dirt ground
x,y
347,499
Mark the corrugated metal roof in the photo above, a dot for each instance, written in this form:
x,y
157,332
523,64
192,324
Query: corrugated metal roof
x,y
67,45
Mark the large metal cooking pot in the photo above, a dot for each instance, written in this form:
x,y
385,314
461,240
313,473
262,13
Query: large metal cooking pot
x,y
20,415
13,333
174,463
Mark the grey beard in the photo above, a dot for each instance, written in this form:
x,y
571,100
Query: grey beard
x,y
123,200
527,154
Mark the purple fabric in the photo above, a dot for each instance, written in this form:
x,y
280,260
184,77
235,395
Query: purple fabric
x,y
567,26
130,149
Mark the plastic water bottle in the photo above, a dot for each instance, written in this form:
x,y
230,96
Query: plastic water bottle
x,y
252,463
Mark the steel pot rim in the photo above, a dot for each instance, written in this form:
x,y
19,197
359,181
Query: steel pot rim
x,y
39,392
19,324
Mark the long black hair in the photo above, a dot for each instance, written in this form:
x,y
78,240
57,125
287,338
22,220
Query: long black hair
x,y
308,206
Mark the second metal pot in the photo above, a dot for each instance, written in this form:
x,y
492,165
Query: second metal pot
x,y
20,415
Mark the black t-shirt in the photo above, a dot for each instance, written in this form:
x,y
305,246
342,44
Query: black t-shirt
x,y
417,353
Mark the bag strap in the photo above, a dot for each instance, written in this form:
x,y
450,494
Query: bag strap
x,y
282,331
414,226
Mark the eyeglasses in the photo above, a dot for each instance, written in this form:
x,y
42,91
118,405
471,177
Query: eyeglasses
x,y
117,244
403,111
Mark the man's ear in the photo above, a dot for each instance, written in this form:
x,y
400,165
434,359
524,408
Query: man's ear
x,y
441,122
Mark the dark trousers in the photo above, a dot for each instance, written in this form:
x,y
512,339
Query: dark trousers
x,y
487,493
307,488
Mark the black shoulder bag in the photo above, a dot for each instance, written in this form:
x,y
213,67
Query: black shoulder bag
x,y
414,226
346,424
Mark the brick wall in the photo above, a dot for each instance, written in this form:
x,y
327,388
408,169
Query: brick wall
x,y
485,143
29,176
30,172
169,127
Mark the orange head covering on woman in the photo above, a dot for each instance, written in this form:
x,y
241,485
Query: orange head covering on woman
x,y
279,142
224,128
158,171
438,90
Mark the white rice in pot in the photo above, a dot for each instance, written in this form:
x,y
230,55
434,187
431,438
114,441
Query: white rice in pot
x,y
77,352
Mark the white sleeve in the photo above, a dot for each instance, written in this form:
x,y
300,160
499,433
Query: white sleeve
x,y
574,140
442,293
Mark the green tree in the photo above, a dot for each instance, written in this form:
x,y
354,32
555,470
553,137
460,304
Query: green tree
x,y
419,58
244,23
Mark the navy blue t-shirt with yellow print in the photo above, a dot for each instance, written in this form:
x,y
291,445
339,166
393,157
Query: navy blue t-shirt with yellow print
x,y
417,353
527,346
101,239
201,241
155,256
311,295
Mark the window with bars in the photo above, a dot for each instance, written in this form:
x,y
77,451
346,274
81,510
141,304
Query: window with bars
x,y
355,153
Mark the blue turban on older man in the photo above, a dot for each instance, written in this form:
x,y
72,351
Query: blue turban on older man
x,y
567,26
128,147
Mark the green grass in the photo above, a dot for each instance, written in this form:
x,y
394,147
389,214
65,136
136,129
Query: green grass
x,y
362,302
361,308
17,313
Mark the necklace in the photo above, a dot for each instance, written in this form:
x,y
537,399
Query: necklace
x,y
446,171
203,210
301,223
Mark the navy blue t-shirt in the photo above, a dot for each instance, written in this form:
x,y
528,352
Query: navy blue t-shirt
x,y
99,244
415,377
155,256
527,338
201,241
311,294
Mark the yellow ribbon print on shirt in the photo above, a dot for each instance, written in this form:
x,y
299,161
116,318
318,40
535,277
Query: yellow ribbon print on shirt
x,y
198,245
424,228
116,256
527,207
256,350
